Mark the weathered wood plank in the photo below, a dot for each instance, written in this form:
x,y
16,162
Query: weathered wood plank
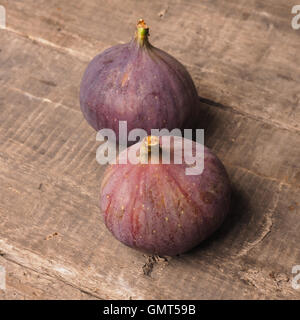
x,y
50,182
280,247
82,252
50,220
271,152
26,284
242,54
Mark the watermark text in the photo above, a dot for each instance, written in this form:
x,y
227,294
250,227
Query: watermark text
x,y
296,18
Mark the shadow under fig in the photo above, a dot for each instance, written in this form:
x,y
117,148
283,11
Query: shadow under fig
x,y
220,241
204,118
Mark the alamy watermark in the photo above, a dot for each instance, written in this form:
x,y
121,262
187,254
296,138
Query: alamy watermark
x,y
296,278
174,148
2,278
2,17
296,19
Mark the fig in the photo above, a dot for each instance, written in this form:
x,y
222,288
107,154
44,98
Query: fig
x,y
156,207
138,83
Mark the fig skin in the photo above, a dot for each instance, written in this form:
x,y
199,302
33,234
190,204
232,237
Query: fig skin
x,y
138,83
158,209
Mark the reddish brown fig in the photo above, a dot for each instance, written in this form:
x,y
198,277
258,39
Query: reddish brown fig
x,y
140,84
158,208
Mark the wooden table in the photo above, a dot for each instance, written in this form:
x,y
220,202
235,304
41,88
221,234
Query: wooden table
x,y
244,57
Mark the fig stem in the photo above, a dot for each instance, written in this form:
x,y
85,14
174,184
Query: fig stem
x,y
150,144
142,33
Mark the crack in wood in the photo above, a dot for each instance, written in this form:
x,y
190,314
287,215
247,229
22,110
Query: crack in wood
x,y
72,52
267,228
66,274
273,123
41,99
25,266
151,262
280,182
265,281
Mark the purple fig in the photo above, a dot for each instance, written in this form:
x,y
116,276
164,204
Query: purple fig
x,y
138,83
158,208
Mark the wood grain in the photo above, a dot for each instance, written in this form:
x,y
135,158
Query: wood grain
x,y
242,54
243,58
25,284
